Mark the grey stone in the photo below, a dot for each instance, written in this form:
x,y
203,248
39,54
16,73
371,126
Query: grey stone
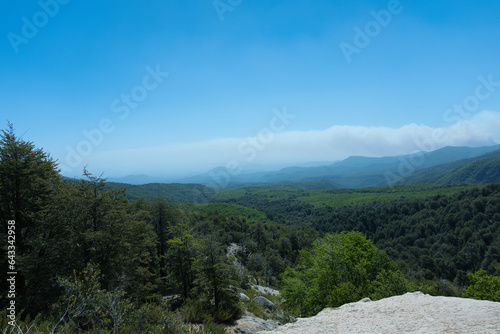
x,y
244,297
253,324
263,301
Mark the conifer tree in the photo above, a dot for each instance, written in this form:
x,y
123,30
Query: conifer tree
x,y
28,177
181,254
216,282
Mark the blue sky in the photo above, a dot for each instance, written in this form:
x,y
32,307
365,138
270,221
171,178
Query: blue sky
x,y
170,88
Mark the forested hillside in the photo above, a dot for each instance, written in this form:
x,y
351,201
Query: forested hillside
x,y
432,232
480,169
439,237
88,258
174,193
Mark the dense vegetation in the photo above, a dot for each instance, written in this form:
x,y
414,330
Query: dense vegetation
x,y
340,269
483,286
174,193
90,258
439,237
432,232
481,169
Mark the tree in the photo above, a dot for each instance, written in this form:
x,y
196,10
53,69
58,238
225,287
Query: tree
x,y
160,225
28,179
340,268
165,220
87,307
108,232
260,235
483,286
180,257
216,285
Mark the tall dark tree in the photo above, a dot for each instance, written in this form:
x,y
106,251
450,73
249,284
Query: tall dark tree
x,y
28,179
216,281
160,225
109,232
164,217
180,258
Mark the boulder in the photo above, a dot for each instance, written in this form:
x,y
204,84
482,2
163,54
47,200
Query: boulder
x,y
263,301
244,297
250,324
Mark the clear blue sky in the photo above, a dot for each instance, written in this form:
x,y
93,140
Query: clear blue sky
x,y
74,66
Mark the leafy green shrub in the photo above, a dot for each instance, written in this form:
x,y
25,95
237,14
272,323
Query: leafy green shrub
x,y
341,268
482,286
438,288
27,325
154,318
90,309
390,283
193,311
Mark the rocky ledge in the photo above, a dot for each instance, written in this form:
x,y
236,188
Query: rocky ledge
x,y
410,313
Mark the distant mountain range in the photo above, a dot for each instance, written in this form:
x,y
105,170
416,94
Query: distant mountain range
x,y
448,165
357,172
481,169
138,179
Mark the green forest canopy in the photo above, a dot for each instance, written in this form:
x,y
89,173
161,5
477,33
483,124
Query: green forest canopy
x,y
75,238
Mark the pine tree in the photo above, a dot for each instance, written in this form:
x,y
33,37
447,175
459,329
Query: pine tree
x,y
28,179
216,282
181,253
108,232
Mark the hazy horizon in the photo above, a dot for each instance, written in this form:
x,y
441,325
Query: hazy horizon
x,y
175,88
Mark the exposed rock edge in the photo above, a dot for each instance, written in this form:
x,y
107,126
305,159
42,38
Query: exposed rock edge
x,y
410,313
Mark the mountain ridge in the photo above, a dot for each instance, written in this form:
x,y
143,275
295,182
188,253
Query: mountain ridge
x,y
352,172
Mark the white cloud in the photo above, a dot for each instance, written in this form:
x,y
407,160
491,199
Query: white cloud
x,y
289,147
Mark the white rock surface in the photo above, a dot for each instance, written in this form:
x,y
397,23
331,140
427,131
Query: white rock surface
x,y
410,313
264,290
252,324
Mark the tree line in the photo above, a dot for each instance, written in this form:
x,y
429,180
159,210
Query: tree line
x,y
441,236
86,255
89,259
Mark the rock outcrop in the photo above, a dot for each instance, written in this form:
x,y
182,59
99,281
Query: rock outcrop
x,y
263,290
263,301
244,297
250,324
410,313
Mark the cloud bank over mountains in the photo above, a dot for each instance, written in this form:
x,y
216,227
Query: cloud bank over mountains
x,y
272,146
